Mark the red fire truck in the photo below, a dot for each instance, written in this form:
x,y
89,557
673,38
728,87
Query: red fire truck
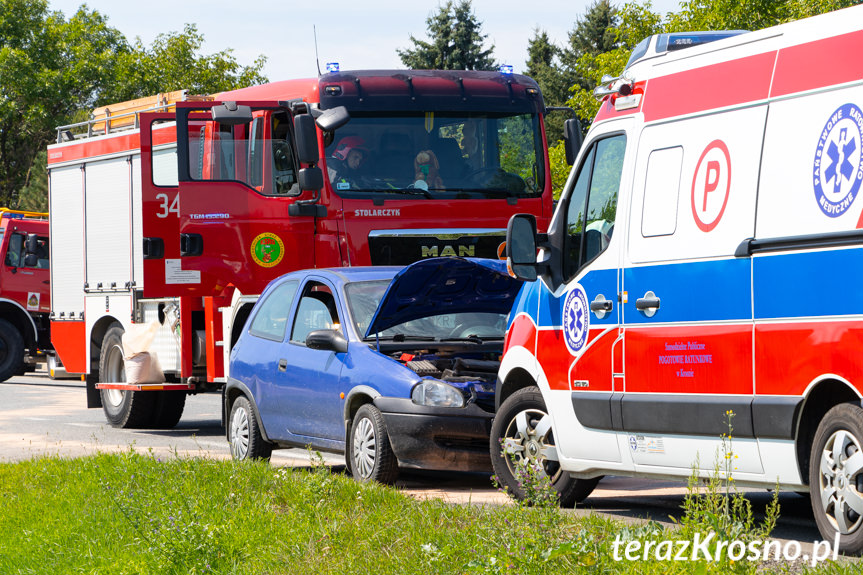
x,y
182,214
24,298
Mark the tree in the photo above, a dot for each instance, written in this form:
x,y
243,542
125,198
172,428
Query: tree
x,y
596,32
455,42
53,71
49,67
543,65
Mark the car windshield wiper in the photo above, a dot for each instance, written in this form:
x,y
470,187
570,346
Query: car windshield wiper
x,y
473,338
398,338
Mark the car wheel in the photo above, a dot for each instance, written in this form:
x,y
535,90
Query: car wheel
x,y
11,350
245,436
521,433
369,450
836,477
123,408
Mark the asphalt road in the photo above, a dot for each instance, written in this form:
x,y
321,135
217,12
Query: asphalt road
x,y
39,416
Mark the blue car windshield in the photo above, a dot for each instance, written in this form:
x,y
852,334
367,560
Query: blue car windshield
x,y
365,297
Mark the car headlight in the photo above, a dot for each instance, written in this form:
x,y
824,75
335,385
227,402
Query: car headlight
x,y
437,394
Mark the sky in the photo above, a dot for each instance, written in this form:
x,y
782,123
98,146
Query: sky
x,y
359,34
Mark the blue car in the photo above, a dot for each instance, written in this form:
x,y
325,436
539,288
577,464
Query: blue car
x,y
394,367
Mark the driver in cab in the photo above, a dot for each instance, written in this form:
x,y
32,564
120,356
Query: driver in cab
x,y
348,159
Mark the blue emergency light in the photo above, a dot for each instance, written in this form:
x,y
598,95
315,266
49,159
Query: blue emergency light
x,y
505,69
332,67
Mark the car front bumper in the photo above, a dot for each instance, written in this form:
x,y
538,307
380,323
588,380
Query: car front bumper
x,y
437,438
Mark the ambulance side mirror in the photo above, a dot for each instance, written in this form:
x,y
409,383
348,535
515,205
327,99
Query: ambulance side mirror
x,y
572,139
521,247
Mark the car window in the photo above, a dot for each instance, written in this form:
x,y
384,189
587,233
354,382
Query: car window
x,y
271,319
317,310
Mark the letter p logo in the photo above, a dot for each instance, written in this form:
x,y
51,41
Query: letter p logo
x,y
711,185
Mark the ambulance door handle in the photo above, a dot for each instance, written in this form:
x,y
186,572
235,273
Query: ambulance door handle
x,y
601,306
647,304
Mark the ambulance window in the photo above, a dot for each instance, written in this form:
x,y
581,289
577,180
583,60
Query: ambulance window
x,y
592,206
661,191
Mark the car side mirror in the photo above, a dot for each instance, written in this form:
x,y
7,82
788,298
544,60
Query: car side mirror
x,y
521,247
327,340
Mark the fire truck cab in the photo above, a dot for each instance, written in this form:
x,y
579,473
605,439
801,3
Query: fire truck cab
x,y
24,298
699,276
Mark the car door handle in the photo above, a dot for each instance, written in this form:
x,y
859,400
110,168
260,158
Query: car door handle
x,y
647,304
283,365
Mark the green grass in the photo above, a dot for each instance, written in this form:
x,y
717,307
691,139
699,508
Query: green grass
x,y
135,514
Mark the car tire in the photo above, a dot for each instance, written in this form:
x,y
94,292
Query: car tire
x,y
11,350
244,433
836,477
522,428
122,408
168,408
371,456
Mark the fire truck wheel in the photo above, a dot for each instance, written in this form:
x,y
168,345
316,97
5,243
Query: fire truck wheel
x,y
369,450
168,408
836,477
127,409
11,350
245,433
521,435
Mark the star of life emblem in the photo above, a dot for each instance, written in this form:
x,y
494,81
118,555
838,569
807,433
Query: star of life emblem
x,y
576,320
838,166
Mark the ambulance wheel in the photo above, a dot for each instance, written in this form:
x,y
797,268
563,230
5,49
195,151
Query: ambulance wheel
x,y
11,350
521,434
836,477
123,408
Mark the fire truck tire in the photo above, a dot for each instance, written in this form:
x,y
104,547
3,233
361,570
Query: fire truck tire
x,y
836,477
126,409
521,433
11,350
245,436
168,409
369,450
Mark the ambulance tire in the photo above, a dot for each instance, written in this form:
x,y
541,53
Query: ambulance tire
x,y
526,408
125,409
11,350
836,477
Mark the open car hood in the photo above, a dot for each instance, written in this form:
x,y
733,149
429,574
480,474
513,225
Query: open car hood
x,y
437,286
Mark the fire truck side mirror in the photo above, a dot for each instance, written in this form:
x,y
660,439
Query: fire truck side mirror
x,y
231,114
333,119
311,179
31,246
572,139
307,141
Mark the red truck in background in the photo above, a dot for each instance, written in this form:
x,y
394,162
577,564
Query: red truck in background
x,y
24,295
179,210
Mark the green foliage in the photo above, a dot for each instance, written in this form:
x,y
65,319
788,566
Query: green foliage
x,y
455,41
54,68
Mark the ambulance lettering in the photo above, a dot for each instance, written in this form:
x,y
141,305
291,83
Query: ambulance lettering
x,y
838,166
711,185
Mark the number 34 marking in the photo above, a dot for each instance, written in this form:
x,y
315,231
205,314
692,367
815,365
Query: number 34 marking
x,y
164,209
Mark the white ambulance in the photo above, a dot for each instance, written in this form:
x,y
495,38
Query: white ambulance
x,y
706,257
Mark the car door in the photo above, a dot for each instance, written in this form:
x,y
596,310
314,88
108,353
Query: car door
x,y
308,387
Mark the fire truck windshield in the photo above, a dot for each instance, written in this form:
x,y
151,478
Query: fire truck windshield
x,y
437,155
